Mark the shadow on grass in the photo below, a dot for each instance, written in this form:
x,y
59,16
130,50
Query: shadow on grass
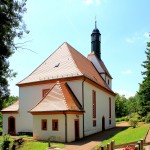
x,y
100,136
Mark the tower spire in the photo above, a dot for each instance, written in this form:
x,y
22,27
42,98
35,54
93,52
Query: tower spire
x,y
96,41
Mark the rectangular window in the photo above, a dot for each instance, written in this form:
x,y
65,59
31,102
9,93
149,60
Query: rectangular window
x,y
44,92
94,104
109,107
55,125
94,123
44,124
109,121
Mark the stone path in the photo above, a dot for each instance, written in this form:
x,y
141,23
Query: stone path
x,y
89,142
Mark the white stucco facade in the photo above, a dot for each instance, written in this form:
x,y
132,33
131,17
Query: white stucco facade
x,y
29,96
66,127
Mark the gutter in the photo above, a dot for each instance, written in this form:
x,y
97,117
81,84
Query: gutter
x,y
65,127
83,102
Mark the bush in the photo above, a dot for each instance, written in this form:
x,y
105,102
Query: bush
x,y
143,119
133,122
135,115
6,142
147,120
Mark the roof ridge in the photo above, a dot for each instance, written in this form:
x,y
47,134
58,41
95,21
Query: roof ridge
x,y
63,93
72,56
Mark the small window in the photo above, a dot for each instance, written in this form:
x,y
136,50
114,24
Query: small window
x,y
109,121
108,81
94,103
44,124
94,123
55,125
109,107
44,92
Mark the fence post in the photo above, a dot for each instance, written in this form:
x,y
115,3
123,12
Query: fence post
x,y
139,143
136,147
102,148
142,144
108,146
112,144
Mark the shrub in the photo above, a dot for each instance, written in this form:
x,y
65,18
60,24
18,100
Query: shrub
x,y
6,142
143,119
133,122
147,120
135,115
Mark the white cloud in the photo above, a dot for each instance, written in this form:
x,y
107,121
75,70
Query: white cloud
x,y
126,93
127,72
89,2
129,40
147,35
134,38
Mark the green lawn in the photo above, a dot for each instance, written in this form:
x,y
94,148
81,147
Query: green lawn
x,y
129,135
28,145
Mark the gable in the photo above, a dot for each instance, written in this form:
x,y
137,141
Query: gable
x,y
65,62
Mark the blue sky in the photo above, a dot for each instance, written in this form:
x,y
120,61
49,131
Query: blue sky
x,y
124,27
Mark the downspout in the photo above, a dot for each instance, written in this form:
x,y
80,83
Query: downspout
x,y
83,102
65,127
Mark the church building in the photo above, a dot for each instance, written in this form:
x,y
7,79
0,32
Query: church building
x,y
67,97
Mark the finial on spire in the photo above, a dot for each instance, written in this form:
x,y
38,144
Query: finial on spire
x,y
95,23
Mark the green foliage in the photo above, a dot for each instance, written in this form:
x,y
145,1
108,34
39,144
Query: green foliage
x,y
9,101
133,122
6,142
147,118
128,135
120,106
11,26
144,91
122,119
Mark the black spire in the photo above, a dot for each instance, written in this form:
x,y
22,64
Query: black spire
x,y
96,42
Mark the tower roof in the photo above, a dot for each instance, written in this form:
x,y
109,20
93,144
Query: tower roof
x,y
95,30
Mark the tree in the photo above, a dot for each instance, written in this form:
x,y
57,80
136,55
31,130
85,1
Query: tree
x,y
132,104
120,106
11,26
144,91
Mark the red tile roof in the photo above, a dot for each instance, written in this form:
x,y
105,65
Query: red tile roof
x,y
65,62
59,98
12,108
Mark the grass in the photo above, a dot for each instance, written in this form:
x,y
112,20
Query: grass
x,y
30,145
129,135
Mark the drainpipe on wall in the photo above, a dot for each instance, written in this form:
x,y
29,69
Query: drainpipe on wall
x,y
65,127
83,102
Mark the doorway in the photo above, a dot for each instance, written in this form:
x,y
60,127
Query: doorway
x,y
76,125
103,123
11,125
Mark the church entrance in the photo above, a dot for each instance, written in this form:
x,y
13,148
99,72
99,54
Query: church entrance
x,y
103,123
76,125
11,125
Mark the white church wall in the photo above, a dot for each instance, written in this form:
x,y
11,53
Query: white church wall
x,y
94,60
102,109
40,134
71,126
5,122
29,96
76,87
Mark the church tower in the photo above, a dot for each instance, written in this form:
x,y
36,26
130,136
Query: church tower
x,y
96,42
